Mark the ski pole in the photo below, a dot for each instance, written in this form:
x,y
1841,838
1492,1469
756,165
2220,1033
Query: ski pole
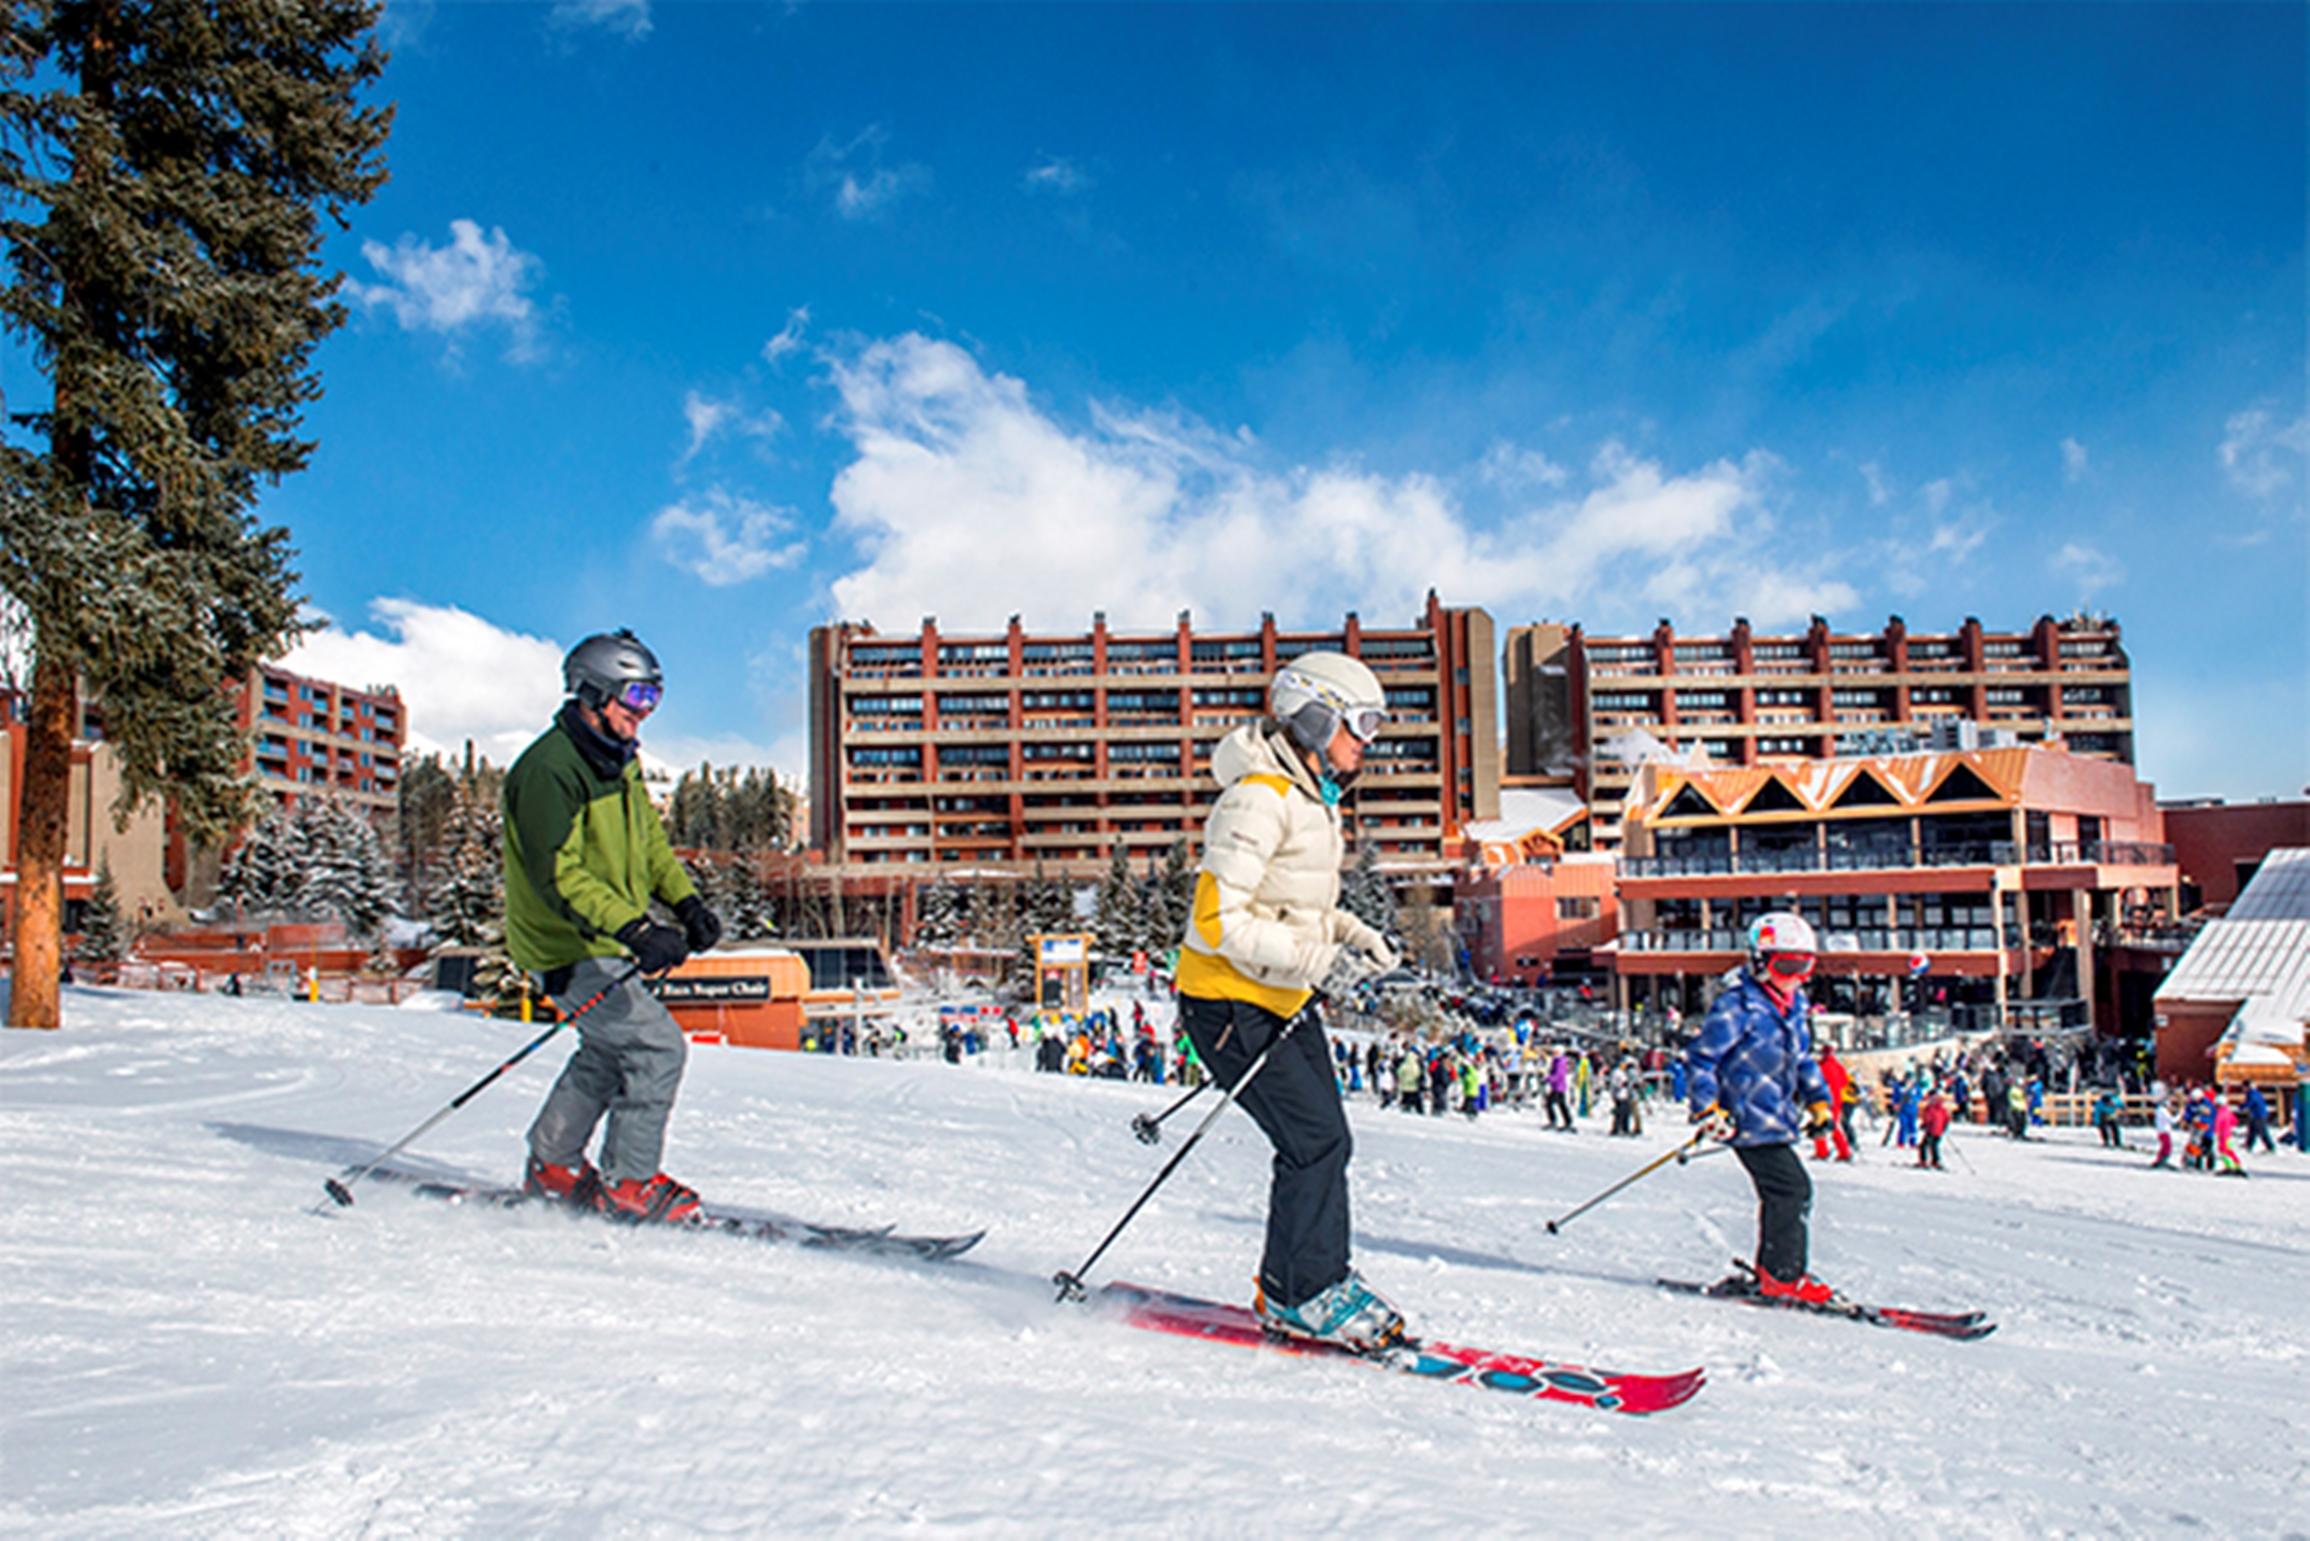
x,y
1145,1127
1071,1284
340,1187
1680,1155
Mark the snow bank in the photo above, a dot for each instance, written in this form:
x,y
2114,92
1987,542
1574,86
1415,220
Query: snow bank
x,y
189,1351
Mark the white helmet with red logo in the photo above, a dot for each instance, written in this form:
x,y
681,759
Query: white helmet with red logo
x,y
1781,931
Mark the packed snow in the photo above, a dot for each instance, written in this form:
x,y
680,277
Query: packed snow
x,y
190,1350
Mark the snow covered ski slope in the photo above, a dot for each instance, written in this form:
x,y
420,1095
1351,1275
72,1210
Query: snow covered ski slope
x,y
188,1351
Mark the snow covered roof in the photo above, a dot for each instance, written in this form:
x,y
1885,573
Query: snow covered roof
x,y
2257,955
1525,809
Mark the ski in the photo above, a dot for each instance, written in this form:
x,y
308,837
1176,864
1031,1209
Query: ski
x,y
1965,1326
1546,1380
744,1224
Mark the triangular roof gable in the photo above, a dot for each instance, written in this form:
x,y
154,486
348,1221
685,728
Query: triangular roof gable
x,y
1775,796
1690,803
1963,784
1866,790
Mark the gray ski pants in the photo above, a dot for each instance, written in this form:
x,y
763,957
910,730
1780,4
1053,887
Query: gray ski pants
x,y
628,1064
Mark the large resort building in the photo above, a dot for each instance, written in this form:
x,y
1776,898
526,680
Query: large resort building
x,y
1587,711
2002,877
1003,750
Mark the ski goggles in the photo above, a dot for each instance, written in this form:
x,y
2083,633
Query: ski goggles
x,y
1790,965
1364,722
640,696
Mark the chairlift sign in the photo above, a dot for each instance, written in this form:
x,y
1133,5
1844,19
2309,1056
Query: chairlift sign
x,y
711,989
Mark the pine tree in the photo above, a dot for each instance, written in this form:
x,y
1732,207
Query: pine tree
x,y
1366,895
468,902
1117,919
164,175
938,918
424,806
265,872
347,876
1176,889
103,929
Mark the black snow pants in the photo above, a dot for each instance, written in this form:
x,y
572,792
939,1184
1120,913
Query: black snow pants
x,y
1295,1101
1784,1199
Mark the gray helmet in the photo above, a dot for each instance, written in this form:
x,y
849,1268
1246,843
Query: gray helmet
x,y
605,663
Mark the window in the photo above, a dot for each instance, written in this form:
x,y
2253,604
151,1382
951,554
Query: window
x,y
900,756
1576,907
871,706
1056,700
974,754
1143,751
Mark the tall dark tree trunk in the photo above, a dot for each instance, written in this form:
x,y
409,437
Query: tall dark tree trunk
x,y
44,811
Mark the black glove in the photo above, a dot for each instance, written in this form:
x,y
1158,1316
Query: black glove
x,y
656,948
701,925
1820,1118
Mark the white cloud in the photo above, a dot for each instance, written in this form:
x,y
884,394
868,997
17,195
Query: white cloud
x,y
1957,540
968,501
1880,490
461,678
628,17
1937,494
2261,456
708,418
1055,174
476,280
2073,461
2089,567
862,186
723,539
789,336
1513,468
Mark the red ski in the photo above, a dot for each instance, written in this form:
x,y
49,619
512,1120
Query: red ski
x,y
1546,1380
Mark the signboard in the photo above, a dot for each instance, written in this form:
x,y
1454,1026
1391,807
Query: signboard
x,y
712,989
1056,950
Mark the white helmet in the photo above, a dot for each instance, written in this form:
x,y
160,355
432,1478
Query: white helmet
x,y
1780,931
1316,694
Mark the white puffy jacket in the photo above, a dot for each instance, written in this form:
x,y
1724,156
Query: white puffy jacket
x,y
1266,923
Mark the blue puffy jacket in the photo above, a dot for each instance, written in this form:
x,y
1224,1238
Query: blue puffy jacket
x,y
1755,1061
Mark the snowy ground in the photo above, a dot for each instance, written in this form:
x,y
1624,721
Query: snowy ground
x,y
188,1352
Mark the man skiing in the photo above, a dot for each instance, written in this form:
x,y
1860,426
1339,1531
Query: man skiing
x,y
584,856
1264,934
1751,1072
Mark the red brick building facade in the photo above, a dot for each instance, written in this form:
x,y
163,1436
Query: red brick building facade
x,y
999,750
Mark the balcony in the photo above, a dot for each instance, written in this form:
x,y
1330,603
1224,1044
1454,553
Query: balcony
x,y
1874,858
1933,941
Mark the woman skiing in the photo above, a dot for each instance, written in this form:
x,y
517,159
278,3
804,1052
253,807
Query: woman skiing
x,y
1266,932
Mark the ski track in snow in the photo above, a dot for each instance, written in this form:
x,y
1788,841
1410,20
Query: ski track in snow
x,y
190,1351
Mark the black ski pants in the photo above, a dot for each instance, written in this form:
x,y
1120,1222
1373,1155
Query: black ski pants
x,y
1296,1103
1784,1199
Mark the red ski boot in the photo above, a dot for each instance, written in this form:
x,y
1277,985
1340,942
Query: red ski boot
x,y
577,1185
1804,1289
658,1199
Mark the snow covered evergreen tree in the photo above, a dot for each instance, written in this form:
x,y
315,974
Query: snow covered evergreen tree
x,y
1116,920
1365,893
938,918
265,872
347,876
103,929
467,907
167,175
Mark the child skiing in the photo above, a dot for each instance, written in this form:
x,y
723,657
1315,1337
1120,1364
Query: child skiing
x,y
1754,1084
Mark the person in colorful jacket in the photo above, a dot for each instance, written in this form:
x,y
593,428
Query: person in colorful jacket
x,y
1932,1123
584,856
1842,1097
1755,1085
1265,933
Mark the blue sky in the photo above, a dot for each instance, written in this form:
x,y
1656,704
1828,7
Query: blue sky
x,y
719,321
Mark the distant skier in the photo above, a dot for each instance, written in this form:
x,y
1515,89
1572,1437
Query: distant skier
x,y
1755,1085
1265,931
584,856
2257,1120
1842,1096
2165,1125
1932,1124
1559,1103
